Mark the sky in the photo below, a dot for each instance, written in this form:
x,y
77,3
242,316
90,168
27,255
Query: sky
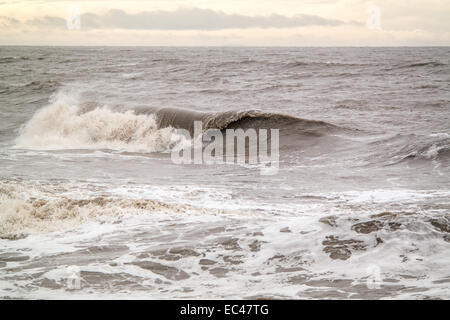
x,y
226,22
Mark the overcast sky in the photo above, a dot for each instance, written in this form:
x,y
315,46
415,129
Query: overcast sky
x,y
226,22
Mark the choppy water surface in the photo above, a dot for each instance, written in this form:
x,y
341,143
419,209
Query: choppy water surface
x,y
358,209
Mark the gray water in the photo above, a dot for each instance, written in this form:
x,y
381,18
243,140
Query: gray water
x,y
358,209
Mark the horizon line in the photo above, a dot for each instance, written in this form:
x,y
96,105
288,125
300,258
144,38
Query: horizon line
x,y
229,46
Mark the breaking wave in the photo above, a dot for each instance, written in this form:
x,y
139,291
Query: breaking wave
x,y
32,208
65,125
68,124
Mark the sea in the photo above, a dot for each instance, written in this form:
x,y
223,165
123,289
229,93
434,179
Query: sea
x,y
93,206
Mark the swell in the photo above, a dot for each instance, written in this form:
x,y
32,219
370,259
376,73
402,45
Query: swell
x,y
413,148
41,85
289,64
413,65
245,119
431,151
11,59
33,86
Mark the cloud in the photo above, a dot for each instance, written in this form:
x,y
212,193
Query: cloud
x,y
185,19
47,21
6,22
197,19
159,22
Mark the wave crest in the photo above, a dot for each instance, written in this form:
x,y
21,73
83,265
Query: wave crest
x,y
65,125
184,119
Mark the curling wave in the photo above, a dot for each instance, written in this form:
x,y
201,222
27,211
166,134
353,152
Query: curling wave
x,y
184,119
68,124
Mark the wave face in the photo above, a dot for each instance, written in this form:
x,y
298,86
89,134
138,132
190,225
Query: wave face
x,y
245,119
65,125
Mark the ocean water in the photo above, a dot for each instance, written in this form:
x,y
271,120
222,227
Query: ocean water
x,y
92,206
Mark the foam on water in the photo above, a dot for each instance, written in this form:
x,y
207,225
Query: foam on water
x,y
65,125
324,245
30,208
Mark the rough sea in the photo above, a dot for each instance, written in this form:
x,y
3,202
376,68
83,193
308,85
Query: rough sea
x,y
92,205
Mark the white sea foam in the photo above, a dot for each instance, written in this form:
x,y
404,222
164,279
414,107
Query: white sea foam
x,y
63,124
31,208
